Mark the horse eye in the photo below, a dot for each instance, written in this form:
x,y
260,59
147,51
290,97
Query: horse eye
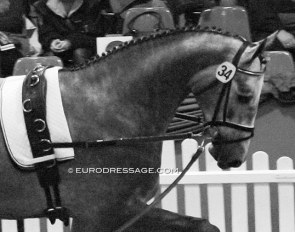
x,y
264,60
244,98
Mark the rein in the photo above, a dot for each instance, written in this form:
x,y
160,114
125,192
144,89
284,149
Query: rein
x,y
129,223
127,141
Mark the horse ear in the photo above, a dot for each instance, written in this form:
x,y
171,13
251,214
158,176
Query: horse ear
x,y
262,45
268,41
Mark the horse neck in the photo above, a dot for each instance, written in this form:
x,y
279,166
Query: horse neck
x,y
136,91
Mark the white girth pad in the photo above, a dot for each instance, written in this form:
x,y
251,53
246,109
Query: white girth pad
x,y
13,122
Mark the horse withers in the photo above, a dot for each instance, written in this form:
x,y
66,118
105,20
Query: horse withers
x,y
134,91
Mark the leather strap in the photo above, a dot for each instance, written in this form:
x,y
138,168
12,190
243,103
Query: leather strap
x,y
34,107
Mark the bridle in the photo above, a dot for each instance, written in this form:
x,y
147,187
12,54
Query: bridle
x,y
224,94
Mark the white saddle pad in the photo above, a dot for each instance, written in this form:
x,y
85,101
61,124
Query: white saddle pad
x,y
13,123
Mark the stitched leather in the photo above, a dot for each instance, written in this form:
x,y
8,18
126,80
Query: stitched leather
x,y
34,100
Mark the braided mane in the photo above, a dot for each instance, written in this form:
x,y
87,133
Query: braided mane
x,y
150,37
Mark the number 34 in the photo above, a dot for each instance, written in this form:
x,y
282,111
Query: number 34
x,y
224,72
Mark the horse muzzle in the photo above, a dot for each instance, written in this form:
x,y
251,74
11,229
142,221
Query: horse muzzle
x,y
227,156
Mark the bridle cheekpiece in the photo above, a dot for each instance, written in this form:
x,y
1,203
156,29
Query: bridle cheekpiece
x,y
225,73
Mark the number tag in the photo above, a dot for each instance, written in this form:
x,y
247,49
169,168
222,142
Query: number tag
x,y
225,72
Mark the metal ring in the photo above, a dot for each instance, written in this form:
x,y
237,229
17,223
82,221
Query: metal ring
x,y
25,102
34,80
52,164
48,142
40,125
50,209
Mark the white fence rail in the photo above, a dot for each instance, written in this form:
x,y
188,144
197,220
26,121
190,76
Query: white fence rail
x,y
240,200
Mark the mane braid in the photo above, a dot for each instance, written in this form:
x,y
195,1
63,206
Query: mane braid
x,y
150,37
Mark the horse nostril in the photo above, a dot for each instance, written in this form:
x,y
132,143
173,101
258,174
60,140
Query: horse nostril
x,y
235,164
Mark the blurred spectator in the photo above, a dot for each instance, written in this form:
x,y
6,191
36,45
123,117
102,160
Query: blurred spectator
x,y
263,17
286,9
14,42
191,9
119,6
182,6
264,20
68,28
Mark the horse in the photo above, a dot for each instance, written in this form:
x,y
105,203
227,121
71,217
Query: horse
x,y
132,91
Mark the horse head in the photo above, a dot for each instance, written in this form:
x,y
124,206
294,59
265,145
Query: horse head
x,y
230,107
